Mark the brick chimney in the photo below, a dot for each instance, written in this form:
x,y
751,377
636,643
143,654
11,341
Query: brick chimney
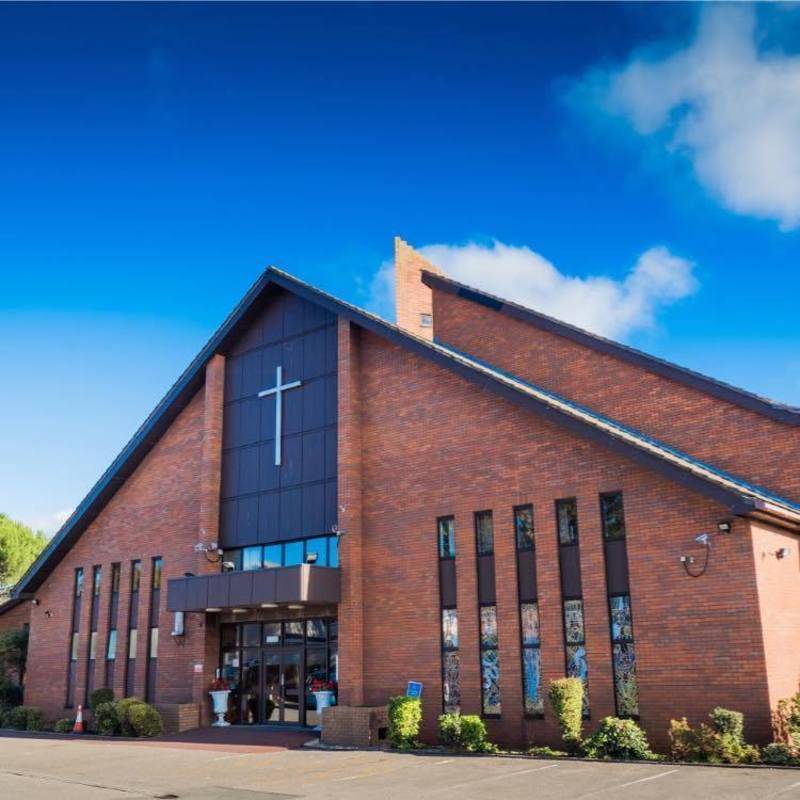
x,y
413,299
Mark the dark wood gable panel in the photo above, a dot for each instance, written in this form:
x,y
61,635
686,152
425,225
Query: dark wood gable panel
x,y
262,502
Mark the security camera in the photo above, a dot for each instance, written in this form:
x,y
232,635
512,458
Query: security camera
x,y
228,566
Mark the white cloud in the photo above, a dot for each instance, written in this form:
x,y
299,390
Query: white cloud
x,y
49,522
613,308
728,105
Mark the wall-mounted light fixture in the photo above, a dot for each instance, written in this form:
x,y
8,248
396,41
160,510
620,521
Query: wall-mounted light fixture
x,y
783,552
311,558
724,526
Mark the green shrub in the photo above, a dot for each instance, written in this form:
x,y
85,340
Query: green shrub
x,y
35,719
450,729
546,752
781,755
106,720
405,715
618,738
16,718
99,696
123,709
145,720
728,722
786,722
24,718
465,733
64,725
719,743
566,697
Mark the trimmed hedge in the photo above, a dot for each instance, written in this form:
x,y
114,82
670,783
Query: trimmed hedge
x,y
566,697
145,720
129,717
465,733
405,715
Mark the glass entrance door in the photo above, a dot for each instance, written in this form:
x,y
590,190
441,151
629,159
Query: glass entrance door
x,y
282,697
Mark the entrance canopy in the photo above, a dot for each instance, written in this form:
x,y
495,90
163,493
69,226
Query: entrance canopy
x,y
304,583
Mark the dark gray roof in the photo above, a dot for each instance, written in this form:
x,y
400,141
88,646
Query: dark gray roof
x,y
739,496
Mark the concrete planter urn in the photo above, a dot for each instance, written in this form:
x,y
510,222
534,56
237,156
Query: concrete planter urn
x,y
324,699
219,697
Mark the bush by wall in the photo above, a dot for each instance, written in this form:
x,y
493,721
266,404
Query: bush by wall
x,y
123,709
780,754
145,720
102,695
64,725
24,718
566,697
405,715
106,720
722,742
786,722
618,738
465,733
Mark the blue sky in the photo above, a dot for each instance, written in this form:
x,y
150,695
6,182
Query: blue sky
x,y
629,164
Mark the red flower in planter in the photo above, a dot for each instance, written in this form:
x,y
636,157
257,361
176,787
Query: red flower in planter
x,y
219,685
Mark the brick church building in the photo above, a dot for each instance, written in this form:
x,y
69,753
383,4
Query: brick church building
x,y
478,497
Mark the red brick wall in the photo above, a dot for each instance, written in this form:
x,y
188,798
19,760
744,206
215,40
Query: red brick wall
x,y
412,296
434,445
155,513
731,438
779,596
16,617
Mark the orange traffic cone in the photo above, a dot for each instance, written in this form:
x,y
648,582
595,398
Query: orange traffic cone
x,y
78,728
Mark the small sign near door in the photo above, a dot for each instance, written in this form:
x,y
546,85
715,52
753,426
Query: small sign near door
x,y
414,689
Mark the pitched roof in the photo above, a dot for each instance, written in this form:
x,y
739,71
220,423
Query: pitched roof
x,y
740,397
739,496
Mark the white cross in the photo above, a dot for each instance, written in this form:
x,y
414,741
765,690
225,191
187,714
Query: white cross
x,y
278,389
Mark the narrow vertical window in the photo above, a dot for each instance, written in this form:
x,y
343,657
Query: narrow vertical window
x,y
572,594
133,628
490,663
623,651
487,610
533,702
113,612
94,614
74,638
451,677
152,644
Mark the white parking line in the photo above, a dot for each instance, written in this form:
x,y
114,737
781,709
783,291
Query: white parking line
x,y
784,790
501,777
629,783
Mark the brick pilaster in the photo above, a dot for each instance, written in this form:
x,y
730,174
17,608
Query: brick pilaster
x,y
351,608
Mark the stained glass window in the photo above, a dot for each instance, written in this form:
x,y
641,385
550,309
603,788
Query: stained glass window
x,y
484,533
451,681
573,622
488,626
490,678
450,629
623,656
447,537
490,661
567,521
621,622
625,684
613,516
529,613
531,676
523,526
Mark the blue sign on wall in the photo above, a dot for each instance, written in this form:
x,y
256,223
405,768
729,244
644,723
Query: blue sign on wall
x,y
414,689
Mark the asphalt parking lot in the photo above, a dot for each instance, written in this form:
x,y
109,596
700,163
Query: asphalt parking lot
x,y
91,769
